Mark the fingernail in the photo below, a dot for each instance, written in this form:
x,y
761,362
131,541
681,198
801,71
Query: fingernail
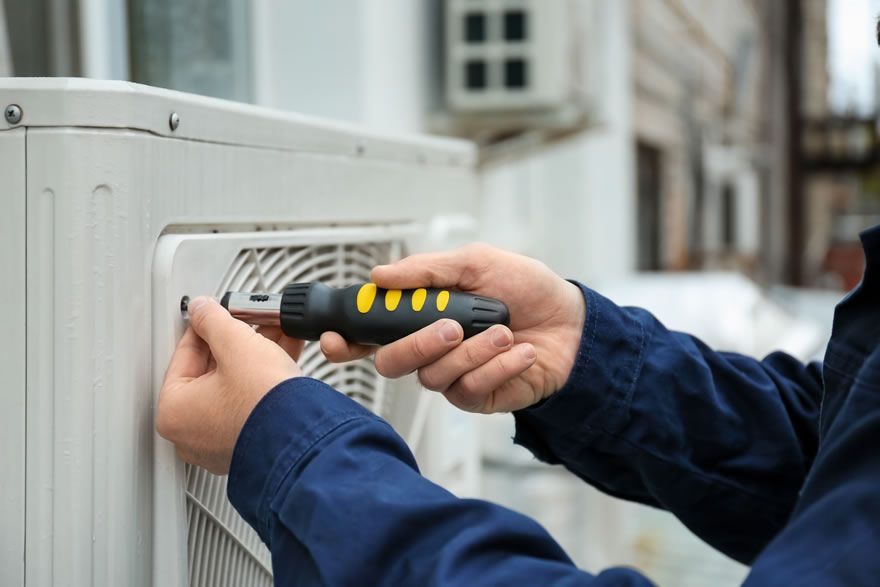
x,y
196,304
449,331
529,353
500,337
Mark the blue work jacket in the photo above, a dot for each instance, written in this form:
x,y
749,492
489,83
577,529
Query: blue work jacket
x,y
773,462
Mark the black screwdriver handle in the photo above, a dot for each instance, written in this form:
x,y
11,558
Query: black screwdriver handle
x,y
370,315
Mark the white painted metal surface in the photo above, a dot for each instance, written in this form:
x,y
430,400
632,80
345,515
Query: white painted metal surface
x,y
63,102
106,177
377,68
13,300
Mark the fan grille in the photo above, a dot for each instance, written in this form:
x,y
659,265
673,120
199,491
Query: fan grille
x,y
222,549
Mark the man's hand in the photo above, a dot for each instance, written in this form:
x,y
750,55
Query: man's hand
x,y
219,372
502,369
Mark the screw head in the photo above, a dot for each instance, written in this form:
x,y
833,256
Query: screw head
x,y
13,114
174,120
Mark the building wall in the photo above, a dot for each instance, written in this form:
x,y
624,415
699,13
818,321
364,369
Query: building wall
x,y
367,61
815,46
820,192
709,89
572,204
697,82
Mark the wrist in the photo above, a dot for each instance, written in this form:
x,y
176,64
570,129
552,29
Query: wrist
x,y
573,332
567,337
282,430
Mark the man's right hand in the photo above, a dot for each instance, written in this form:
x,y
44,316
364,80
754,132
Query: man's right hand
x,y
502,369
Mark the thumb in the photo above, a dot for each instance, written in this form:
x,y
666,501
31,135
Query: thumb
x,y
213,323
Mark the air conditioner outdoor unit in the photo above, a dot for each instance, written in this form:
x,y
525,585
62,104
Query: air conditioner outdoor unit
x,y
119,199
508,55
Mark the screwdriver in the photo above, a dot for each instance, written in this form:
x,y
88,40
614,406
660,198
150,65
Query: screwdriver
x,y
362,313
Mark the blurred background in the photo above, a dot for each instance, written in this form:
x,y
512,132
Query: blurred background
x,y
712,160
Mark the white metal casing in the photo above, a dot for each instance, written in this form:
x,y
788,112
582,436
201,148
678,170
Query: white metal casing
x,y
94,177
542,65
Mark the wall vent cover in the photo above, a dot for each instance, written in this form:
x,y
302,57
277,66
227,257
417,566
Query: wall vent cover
x,y
221,549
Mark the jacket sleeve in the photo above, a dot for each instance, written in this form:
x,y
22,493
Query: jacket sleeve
x,y
720,440
833,538
335,494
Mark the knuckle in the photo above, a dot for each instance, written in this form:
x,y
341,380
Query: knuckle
x,y
503,368
385,365
433,275
420,348
183,455
468,386
429,378
478,247
473,355
165,425
466,395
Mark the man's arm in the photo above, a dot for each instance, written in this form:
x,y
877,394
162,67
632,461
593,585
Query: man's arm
x,y
833,537
336,495
722,441
331,488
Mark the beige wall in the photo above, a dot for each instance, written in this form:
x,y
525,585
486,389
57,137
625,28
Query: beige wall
x,y
705,64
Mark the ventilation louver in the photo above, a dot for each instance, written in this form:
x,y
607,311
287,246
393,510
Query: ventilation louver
x,y
222,549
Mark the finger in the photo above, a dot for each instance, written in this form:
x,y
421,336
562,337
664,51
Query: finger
x,y
190,359
418,349
469,355
339,350
273,333
292,346
223,333
473,390
458,268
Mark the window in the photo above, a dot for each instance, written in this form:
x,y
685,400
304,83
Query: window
x,y
475,75
515,25
195,46
650,190
42,37
516,73
728,217
474,27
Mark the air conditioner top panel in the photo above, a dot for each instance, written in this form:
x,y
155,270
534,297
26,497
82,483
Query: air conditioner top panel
x,y
77,102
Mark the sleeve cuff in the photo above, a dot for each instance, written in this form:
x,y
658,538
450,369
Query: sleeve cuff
x,y
281,431
596,398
